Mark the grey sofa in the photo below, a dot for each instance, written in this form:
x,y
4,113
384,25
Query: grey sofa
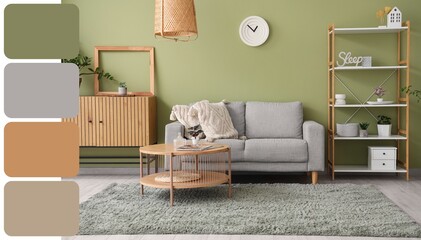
x,y
273,137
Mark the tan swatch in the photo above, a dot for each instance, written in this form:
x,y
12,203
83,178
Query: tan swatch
x,y
42,149
41,208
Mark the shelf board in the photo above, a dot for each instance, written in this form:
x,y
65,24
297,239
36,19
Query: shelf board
x,y
368,105
367,68
368,30
365,168
371,137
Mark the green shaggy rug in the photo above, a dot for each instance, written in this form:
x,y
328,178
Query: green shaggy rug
x,y
281,209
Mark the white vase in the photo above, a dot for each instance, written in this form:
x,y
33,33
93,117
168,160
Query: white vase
x,y
194,140
122,91
384,130
379,99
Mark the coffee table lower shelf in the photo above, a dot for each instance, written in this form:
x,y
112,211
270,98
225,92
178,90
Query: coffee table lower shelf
x,y
207,179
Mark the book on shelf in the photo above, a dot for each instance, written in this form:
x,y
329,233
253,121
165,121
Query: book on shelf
x,y
199,147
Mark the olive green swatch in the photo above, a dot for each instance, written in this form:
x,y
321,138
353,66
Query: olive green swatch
x,y
41,31
41,208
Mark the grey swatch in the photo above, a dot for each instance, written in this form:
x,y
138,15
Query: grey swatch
x,y
41,90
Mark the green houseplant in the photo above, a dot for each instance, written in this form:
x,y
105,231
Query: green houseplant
x,y
414,92
363,129
82,62
384,126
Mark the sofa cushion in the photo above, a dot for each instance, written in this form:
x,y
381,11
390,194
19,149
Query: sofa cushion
x,y
237,112
274,120
237,148
276,150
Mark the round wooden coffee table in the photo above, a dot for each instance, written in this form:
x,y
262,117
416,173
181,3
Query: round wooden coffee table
x,y
187,169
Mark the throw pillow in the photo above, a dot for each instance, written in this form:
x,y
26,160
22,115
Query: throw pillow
x,y
214,119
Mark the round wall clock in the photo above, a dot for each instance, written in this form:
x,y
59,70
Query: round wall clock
x,y
254,31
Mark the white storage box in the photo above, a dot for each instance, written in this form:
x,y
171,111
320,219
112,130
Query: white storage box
x,y
382,158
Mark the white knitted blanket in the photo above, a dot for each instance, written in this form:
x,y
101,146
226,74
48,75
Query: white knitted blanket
x,y
181,113
214,119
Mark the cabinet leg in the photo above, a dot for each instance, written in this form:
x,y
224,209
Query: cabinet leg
x,y
141,172
314,177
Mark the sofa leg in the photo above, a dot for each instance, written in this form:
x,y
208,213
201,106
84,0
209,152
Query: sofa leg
x,y
314,177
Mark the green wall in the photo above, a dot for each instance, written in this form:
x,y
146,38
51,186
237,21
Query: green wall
x,y
290,66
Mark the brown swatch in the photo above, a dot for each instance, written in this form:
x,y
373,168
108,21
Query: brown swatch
x,y
41,208
42,149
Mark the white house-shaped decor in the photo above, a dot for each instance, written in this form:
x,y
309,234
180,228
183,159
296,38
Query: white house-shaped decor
x,y
394,18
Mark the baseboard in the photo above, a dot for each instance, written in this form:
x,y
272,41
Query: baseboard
x,y
109,171
136,171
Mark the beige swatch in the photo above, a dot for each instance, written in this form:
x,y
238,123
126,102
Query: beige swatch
x,y
41,149
41,208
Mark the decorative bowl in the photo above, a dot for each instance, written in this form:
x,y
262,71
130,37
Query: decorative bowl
x,y
347,129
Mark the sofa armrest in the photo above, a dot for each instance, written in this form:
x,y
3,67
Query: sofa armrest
x,y
314,134
172,130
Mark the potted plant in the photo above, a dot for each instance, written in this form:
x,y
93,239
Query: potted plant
x,y
379,92
384,126
82,62
414,92
122,88
195,132
363,129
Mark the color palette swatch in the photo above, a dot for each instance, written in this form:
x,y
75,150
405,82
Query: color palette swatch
x,y
41,31
41,208
41,149
41,90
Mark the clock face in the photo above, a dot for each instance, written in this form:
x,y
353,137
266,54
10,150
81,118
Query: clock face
x,y
254,31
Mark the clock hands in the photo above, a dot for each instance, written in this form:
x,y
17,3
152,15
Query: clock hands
x,y
254,30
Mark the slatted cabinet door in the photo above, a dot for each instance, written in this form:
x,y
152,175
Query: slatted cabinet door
x,y
116,121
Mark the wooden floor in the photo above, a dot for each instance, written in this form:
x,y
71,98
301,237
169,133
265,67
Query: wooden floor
x,y
407,195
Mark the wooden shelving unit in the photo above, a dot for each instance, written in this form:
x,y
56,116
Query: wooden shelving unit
x,y
401,105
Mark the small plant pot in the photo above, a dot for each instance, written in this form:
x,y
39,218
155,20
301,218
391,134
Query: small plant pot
x,y
379,99
384,130
122,91
363,133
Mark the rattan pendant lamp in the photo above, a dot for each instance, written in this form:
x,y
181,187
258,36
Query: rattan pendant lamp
x,y
176,20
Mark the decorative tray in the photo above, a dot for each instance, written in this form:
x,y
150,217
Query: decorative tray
x,y
379,103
